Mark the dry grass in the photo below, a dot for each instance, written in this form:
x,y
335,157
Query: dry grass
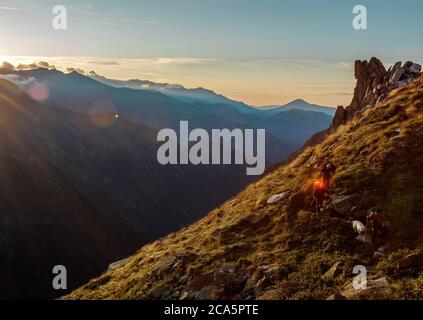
x,y
379,157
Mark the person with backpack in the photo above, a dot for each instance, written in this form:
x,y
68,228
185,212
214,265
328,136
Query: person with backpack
x,y
318,197
374,223
327,172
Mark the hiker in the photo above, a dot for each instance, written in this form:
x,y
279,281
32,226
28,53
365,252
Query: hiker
x,y
327,171
374,223
319,195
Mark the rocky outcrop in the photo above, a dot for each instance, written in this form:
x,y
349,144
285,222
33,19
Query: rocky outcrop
x,y
278,197
374,83
369,76
117,264
340,117
334,271
375,287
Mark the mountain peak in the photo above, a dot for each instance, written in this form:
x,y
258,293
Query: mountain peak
x,y
298,101
374,84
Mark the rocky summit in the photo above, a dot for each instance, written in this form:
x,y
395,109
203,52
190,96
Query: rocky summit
x,y
268,243
374,83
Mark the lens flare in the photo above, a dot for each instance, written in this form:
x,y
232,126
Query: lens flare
x,y
38,91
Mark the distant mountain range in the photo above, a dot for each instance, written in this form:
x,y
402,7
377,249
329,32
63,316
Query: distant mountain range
x,y
176,91
95,147
202,95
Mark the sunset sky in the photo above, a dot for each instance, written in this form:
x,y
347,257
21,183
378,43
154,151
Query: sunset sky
x,y
260,52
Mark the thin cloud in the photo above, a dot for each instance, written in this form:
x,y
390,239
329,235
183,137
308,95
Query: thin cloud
x,y
21,82
345,65
331,94
10,8
142,21
181,60
106,19
85,10
78,70
104,23
104,63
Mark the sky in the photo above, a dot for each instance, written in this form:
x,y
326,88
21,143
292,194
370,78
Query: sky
x,y
262,52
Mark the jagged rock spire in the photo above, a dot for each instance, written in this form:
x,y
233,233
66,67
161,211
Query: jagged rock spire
x,y
374,83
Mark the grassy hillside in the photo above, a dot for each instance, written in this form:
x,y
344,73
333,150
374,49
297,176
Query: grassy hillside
x,y
248,249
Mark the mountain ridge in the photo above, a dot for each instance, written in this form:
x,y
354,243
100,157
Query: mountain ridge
x,y
205,95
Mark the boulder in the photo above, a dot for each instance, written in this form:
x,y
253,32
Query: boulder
x,y
412,260
184,279
251,283
415,68
333,272
407,65
206,293
397,75
378,287
200,281
343,203
365,238
273,273
231,282
277,197
160,292
117,264
379,253
186,295
228,268
175,295
261,286
164,266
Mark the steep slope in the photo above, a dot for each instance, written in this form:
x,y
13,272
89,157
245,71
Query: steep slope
x,y
259,246
45,219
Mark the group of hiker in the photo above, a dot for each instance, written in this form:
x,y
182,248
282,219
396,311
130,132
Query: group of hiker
x,y
375,225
